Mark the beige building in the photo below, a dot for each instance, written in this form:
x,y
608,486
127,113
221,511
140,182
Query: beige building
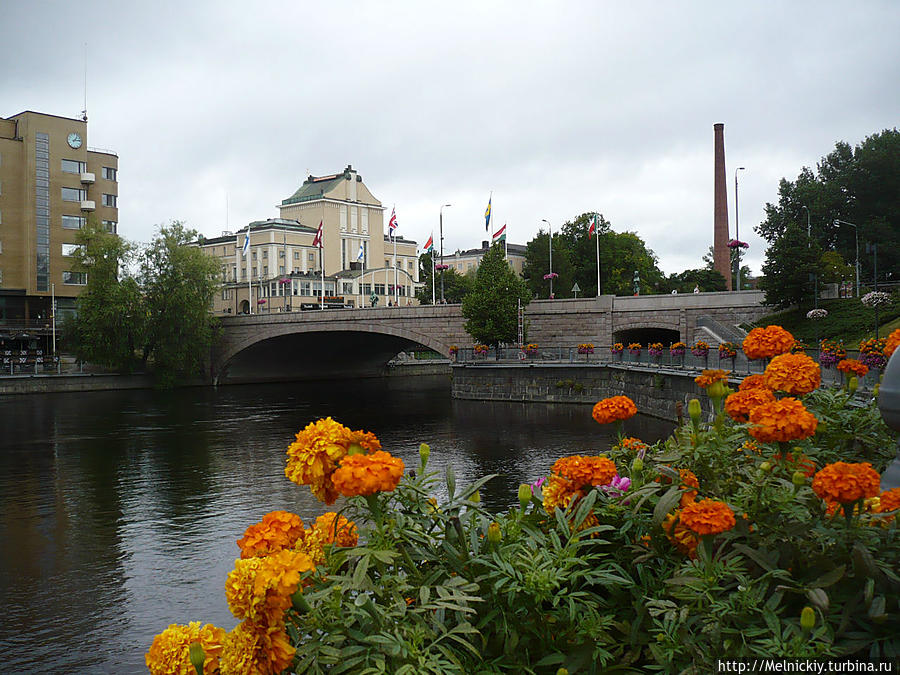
x,y
468,261
51,184
282,268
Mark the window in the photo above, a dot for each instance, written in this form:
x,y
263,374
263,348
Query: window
x,y
73,222
73,194
265,270
73,166
387,263
296,255
379,289
243,273
410,265
281,253
305,288
312,257
110,226
281,269
109,173
75,278
226,294
347,288
266,254
109,200
70,249
366,289
254,255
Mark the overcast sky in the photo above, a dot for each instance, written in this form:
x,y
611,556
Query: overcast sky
x,y
557,107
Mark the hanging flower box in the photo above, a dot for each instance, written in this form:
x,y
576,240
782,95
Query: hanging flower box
x,y
700,349
586,348
727,350
655,349
635,348
677,349
530,349
552,275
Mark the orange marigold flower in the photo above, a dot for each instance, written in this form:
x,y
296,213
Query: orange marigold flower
x,y
315,454
844,482
710,376
632,444
559,492
889,501
584,471
853,367
764,343
337,530
614,409
366,440
368,474
170,651
793,374
260,589
254,649
786,419
752,382
799,462
892,342
688,480
739,404
708,516
680,535
277,530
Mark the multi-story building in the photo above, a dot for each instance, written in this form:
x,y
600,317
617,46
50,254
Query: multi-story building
x,y
282,269
51,184
468,260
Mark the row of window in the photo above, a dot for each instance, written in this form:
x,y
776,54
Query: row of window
x,y
81,194
77,222
75,166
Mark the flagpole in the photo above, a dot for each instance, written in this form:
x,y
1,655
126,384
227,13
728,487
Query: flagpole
x,y
396,290
597,236
322,263
249,273
433,299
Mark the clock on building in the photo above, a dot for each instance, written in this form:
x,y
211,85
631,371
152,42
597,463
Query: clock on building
x,y
74,140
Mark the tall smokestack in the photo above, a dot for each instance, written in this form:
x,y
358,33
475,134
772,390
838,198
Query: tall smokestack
x,y
721,258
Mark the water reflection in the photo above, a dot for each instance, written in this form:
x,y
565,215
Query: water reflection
x,y
119,511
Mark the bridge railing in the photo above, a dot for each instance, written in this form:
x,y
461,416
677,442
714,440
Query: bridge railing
x,y
739,365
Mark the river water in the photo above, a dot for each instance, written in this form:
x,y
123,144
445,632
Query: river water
x,y
119,511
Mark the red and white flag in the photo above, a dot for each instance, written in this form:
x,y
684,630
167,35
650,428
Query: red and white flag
x,y
593,228
317,240
500,234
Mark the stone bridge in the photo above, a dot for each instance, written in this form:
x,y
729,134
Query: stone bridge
x,y
359,342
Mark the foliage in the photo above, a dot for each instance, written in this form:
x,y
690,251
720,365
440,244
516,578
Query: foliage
x,y
491,308
456,285
704,279
791,262
537,264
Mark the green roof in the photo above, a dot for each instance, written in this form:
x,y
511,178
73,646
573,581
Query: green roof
x,y
314,188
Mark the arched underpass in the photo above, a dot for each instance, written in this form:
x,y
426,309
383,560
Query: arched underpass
x,y
314,356
646,336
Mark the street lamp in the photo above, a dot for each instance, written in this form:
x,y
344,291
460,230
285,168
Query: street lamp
x,y
441,224
808,229
839,222
550,230
737,232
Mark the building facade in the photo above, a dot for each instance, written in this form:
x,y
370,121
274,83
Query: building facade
x,y
468,260
282,269
51,184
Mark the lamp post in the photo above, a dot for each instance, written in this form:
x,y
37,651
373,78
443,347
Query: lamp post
x,y
550,231
839,222
441,225
737,232
808,229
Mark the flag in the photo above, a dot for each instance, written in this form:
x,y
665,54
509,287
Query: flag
x,y
593,228
317,240
487,214
499,235
392,223
429,245
359,256
246,246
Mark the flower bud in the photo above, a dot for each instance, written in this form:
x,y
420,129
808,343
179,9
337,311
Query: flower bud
x,y
694,410
562,671
808,618
494,535
637,465
424,452
299,602
716,390
524,495
852,385
766,466
475,497
197,657
355,449
799,478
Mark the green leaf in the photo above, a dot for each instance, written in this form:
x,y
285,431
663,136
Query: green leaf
x,y
829,578
665,505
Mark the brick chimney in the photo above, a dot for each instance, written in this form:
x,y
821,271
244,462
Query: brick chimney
x,y
721,257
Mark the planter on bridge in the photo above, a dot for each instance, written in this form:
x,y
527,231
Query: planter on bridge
x,y
587,349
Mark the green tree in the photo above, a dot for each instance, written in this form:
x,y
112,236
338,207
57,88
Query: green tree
x,y
110,318
537,265
179,282
456,285
834,269
734,255
491,307
705,279
791,262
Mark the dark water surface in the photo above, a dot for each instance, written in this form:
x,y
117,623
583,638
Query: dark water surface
x,y
119,511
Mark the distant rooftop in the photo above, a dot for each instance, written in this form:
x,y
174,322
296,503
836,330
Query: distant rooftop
x,y
316,187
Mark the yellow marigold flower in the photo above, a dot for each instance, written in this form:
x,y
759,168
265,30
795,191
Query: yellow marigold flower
x,y
739,404
277,530
251,649
710,376
559,492
170,652
368,474
786,419
764,343
793,374
260,589
844,482
752,382
584,471
853,367
314,456
614,409
750,446
337,530
708,516
682,537
892,342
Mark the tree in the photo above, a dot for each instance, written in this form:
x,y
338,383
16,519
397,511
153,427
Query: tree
x,y
734,255
537,265
179,282
456,285
791,262
705,279
491,307
110,320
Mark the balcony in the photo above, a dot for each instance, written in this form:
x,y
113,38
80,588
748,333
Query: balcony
x,y
87,178
88,205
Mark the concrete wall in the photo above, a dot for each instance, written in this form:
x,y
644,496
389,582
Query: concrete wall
x,y
46,384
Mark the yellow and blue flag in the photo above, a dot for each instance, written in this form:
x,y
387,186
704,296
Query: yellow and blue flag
x,y
487,214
